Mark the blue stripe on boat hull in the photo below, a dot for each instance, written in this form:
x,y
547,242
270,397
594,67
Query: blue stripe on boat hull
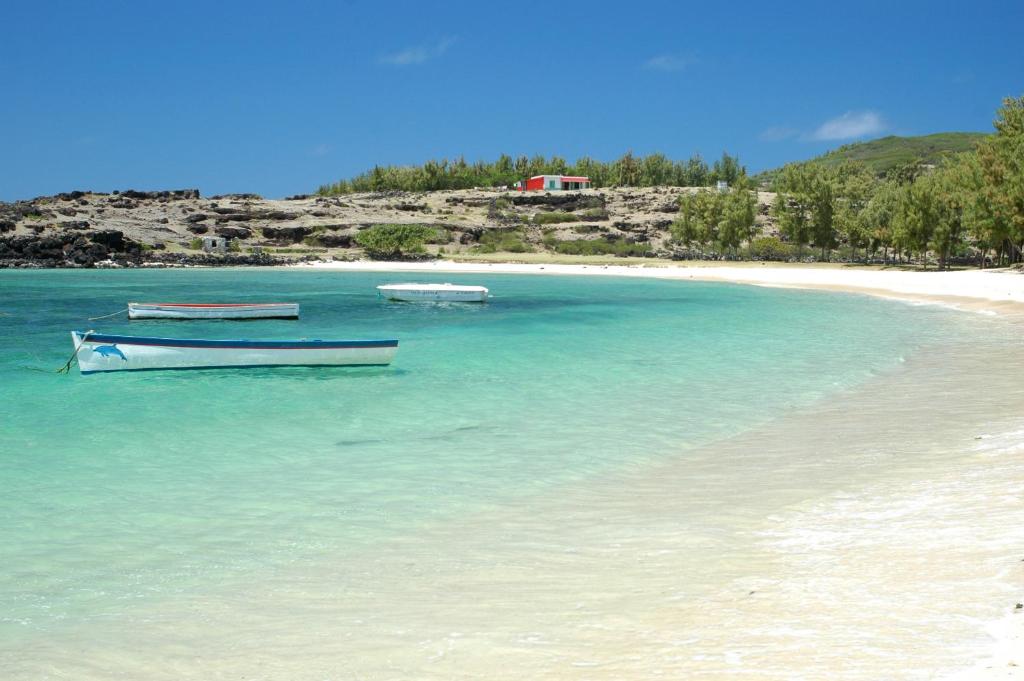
x,y
243,344
228,366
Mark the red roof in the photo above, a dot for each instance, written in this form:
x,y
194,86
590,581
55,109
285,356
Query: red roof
x,y
574,178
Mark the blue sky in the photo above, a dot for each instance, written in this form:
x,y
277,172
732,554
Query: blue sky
x,y
280,98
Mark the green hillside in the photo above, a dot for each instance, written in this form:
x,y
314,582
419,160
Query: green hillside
x,y
885,153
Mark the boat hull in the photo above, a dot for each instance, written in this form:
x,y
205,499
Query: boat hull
x,y
412,294
103,352
213,311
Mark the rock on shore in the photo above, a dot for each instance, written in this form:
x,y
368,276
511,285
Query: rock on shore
x,y
129,228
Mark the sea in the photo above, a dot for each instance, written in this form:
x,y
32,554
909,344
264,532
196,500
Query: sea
x,y
584,478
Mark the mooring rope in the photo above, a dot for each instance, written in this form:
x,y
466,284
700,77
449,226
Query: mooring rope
x,y
92,319
74,355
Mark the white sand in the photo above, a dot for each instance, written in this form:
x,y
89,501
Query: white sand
x,y
999,291
992,290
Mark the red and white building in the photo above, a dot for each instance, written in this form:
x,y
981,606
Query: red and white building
x,y
554,183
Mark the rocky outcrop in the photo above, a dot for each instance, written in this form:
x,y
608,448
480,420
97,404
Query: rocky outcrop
x,y
67,249
286,235
563,200
233,232
334,240
172,194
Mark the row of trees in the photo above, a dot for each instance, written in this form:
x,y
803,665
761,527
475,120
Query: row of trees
x,y
627,171
721,219
971,205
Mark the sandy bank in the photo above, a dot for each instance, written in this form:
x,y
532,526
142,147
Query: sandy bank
x,y
981,290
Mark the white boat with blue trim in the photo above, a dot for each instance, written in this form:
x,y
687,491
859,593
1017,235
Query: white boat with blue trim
x,y
434,292
99,352
213,310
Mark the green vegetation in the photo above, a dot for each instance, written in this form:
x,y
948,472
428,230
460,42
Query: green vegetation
x,y
627,171
553,217
722,220
971,204
618,247
892,154
503,240
394,241
771,248
195,244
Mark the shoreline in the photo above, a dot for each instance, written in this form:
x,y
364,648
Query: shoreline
x,y
992,291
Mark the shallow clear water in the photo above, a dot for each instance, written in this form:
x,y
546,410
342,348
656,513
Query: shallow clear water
x,y
570,433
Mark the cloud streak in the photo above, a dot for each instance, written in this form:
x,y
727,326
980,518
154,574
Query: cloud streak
x,y
411,56
850,125
668,62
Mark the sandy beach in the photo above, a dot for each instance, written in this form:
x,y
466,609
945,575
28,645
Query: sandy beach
x,y
999,291
993,290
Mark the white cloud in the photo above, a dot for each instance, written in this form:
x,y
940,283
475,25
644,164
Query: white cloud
x,y
668,62
777,134
850,125
411,56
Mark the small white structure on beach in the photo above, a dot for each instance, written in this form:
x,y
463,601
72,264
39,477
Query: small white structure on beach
x,y
215,244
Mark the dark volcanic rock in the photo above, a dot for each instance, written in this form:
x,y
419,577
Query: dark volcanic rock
x,y
297,197
471,234
122,203
564,201
233,232
335,240
288,235
253,197
198,229
111,238
278,215
172,194
196,217
7,226
71,196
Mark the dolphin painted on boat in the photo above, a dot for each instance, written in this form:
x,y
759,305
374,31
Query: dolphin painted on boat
x,y
109,351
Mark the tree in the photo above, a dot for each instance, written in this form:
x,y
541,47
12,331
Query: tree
x,y
1001,158
917,217
738,206
727,169
877,217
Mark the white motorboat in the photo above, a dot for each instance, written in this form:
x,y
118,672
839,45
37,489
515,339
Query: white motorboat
x,y
434,292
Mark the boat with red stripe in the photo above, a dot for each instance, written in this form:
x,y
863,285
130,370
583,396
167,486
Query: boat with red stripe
x,y
213,310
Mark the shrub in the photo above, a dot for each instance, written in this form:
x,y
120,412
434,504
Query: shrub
x,y
394,241
196,244
618,247
440,235
553,217
505,241
771,248
594,214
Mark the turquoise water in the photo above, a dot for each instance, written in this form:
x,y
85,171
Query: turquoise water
x,y
125,492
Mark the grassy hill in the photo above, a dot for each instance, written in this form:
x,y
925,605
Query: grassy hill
x,y
885,153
